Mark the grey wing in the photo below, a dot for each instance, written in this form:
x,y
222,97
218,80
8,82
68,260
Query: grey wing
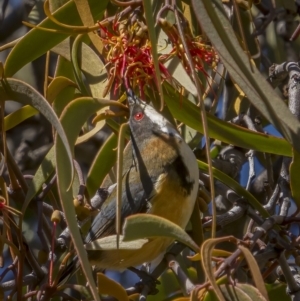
x,y
134,200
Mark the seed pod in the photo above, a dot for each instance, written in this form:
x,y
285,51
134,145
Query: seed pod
x,y
56,217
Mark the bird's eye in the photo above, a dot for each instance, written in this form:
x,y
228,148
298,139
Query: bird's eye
x,y
139,116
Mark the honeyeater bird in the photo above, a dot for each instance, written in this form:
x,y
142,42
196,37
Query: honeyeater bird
x,y
160,177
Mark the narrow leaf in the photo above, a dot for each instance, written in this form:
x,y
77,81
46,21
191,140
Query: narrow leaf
x,y
103,162
109,287
255,271
12,89
15,118
206,254
234,185
82,108
230,293
57,85
252,292
213,20
44,172
215,253
21,54
109,243
148,9
294,172
188,113
146,225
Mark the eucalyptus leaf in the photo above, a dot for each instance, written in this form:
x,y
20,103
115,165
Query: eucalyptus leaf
x,y
188,113
21,54
211,16
110,287
90,63
82,108
42,175
103,162
18,116
206,254
110,243
12,89
230,293
139,226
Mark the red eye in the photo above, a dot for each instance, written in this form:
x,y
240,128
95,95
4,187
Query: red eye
x,y
139,116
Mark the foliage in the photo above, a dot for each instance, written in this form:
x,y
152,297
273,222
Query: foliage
x,y
217,70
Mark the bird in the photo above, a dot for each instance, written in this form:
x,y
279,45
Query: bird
x,y
160,177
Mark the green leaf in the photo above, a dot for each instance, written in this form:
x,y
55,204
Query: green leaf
x,y
65,96
90,63
102,164
44,172
110,243
213,20
188,113
76,48
91,133
148,9
206,254
86,17
83,290
12,89
255,271
72,118
294,173
15,118
58,84
277,291
230,293
167,287
110,287
234,185
252,292
24,53
139,226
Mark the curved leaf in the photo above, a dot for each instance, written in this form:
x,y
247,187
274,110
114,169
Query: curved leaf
x,y
216,25
86,17
82,108
90,64
21,54
44,172
64,69
206,254
12,89
57,85
215,253
15,118
188,113
91,133
139,226
103,162
110,243
255,271
294,171
252,292
277,291
76,48
230,293
109,287
148,9
234,185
